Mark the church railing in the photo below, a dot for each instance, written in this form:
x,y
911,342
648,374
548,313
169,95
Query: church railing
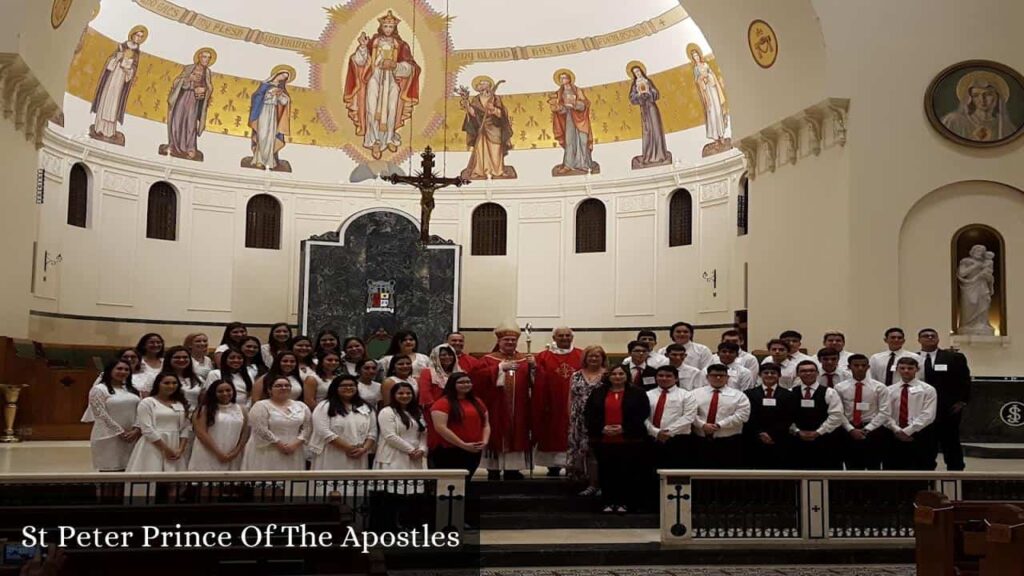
x,y
709,506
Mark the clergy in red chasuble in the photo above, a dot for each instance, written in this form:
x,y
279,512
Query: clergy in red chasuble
x,y
503,380
550,401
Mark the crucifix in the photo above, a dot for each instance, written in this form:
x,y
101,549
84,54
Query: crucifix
x,y
427,183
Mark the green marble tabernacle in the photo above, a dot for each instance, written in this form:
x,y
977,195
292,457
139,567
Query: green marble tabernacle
x,y
379,265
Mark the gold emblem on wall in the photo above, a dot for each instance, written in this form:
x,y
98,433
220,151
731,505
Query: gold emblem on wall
x,y
59,12
764,45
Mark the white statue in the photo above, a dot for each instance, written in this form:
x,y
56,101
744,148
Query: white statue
x,y
976,275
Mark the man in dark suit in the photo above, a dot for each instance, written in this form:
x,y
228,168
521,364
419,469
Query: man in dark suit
x,y
766,434
638,366
947,371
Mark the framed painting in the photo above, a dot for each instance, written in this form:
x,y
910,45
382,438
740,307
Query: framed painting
x,y
977,103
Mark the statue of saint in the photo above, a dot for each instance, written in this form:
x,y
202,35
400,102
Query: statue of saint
x,y
976,276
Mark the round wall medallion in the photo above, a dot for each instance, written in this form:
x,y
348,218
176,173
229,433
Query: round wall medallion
x,y
764,45
1012,414
59,12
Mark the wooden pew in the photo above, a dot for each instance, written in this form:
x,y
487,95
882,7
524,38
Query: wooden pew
x,y
967,538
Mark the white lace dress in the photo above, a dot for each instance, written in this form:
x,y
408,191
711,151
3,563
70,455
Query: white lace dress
x,y
110,414
270,424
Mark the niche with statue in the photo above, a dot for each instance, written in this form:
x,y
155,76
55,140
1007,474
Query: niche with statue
x,y
979,295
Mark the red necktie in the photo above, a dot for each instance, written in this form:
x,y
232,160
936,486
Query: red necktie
x,y
858,397
713,407
638,379
831,384
660,408
905,406
768,392
807,393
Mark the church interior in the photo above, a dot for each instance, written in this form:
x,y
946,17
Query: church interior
x,y
660,287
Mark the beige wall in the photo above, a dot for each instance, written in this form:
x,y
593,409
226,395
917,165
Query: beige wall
x,y
17,228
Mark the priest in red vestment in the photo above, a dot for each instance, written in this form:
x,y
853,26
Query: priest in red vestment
x,y
503,380
550,401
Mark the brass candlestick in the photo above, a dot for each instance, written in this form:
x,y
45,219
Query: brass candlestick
x,y
11,393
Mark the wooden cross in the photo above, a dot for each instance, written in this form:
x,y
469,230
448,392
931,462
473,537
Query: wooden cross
x,y
427,183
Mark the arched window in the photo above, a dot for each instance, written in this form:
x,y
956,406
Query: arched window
x,y
489,230
680,218
162,212
743,207
590,226
263,222
78,196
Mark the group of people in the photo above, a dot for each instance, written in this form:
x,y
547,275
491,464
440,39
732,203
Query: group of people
x,y
297,402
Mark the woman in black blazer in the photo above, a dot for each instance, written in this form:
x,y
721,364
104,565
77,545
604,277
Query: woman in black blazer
x,y
615,415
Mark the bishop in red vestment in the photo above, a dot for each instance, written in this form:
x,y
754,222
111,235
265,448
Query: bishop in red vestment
x,y
503,379
550,401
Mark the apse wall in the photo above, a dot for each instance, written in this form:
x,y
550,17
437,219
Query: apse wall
x,y
112,283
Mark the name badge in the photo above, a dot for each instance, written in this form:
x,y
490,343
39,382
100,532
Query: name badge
x,y
809,403
893,369
941,368
915,390
648,380
862,406
768,401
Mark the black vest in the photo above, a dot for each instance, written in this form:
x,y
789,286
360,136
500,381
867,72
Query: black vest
x,y
809,419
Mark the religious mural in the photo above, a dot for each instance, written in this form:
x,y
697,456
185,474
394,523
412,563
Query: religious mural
x,y
644,94
116,82
570,119
187,105
488,129
977,103
270,121
712,97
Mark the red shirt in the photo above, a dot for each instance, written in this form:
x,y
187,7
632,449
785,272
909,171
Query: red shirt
x,y
613,414
470,428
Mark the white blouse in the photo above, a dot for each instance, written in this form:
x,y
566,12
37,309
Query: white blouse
x,y
242,396
111,414
397,441
202,368
355,428
420,362
225,433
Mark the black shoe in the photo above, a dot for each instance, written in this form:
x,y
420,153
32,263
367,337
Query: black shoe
x,y
494,474
554,471
514,475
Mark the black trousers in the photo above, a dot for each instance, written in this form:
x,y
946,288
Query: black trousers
x,y
719,453
818,454
455,459
918,454
760,456
674,454
947,436
866,454
621,469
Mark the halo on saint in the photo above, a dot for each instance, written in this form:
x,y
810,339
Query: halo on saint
x,y
389,18
558,76
283,68
690,49
482,78
139,28
208,50
635,64
980,79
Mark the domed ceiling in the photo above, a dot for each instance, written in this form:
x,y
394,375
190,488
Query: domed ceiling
x,y
341,79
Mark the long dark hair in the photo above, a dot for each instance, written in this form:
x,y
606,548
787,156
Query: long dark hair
x,y
335,405
395,347
107,378
348,341
120,353
257,359
454,409
274,345
406,415
606,380
208,404
276,372
226,338
140,348
394,362
188,372
179,393
308,360
320,363
317,350
364,362
226,373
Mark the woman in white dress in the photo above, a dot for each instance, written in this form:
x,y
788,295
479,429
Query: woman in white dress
x,y
326,341
303,348
280,426
198,345
369,388
179,362
252,349
232,369
400,371
278,340
404,343
315,386
112,407
286,365
344,428
355,353
234,335
164,422
403,432
221,430
151,355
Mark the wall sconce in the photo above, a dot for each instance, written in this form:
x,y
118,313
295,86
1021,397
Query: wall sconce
x,y
48,262
713,279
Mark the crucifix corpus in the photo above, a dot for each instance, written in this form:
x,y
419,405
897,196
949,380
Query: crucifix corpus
x,y
427,183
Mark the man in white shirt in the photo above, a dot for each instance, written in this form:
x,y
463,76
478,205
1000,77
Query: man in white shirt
x,y
818,412
912,406
641,373
672,413
795,341
739,377
831,373
745,359
865,417
689,377
654,359
778,353
697,355
721,412
836,340
883,364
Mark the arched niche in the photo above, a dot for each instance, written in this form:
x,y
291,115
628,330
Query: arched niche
x,y
960,253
